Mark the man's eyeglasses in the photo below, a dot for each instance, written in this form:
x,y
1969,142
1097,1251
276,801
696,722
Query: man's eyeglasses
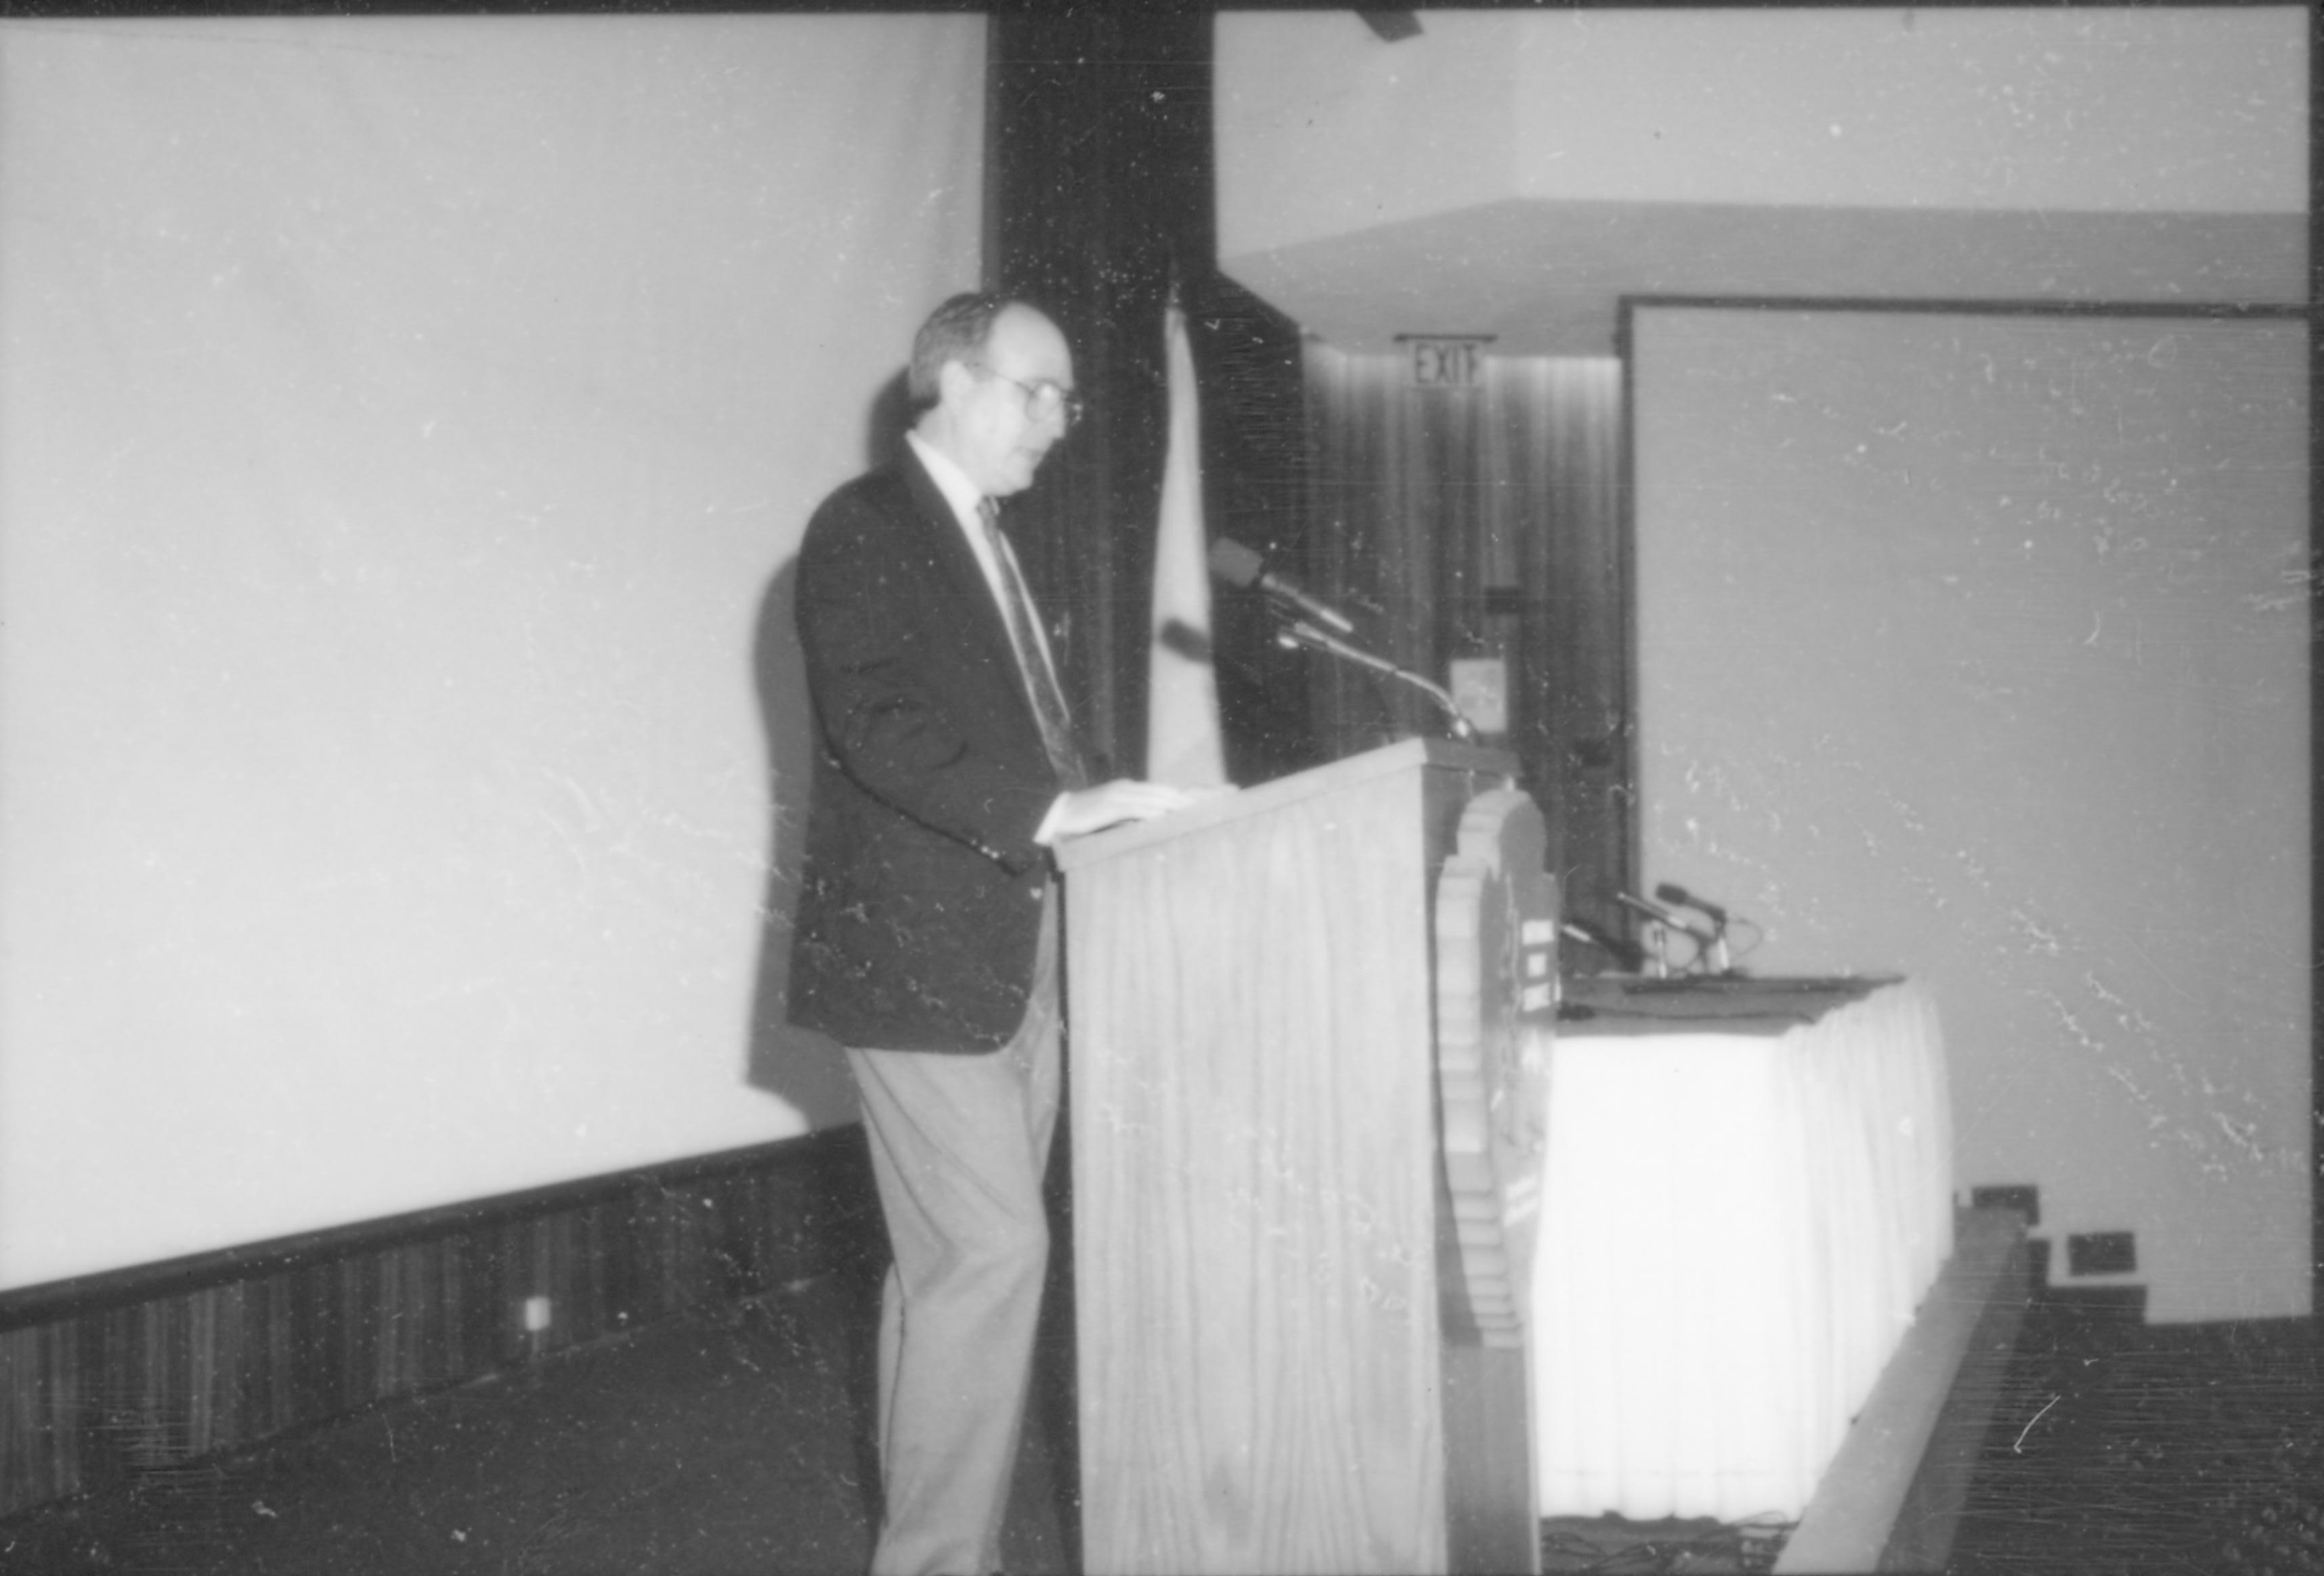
x,y
1043,400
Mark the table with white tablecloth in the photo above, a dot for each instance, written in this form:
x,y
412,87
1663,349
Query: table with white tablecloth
x,y
1746,1191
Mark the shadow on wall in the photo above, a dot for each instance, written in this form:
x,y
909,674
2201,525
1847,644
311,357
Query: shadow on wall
x,y
800,1065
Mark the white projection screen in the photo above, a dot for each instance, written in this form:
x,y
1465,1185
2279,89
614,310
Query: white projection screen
x,y
401,419
1976,648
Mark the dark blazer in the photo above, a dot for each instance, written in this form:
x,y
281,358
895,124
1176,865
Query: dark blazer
x,y
920,894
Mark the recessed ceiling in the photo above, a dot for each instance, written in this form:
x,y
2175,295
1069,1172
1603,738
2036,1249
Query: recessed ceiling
x,y
1544,278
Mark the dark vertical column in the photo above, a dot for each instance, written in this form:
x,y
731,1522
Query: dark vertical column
x,y
1577,640
1624,656
1101,178
1100,174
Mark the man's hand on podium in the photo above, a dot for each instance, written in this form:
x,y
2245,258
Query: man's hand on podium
x,y
1110,803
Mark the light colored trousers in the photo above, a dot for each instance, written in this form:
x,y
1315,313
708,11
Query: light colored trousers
x,y
959,1144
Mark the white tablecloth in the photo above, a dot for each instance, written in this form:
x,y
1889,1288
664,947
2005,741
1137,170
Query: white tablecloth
x,y
1739,1215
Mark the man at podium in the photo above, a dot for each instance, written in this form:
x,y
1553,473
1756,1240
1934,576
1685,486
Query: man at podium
x,y
927,929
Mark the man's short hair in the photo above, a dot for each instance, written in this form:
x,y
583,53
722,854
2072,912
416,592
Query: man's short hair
x,y
954,331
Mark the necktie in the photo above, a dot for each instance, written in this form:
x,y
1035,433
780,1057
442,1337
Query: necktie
x,y
1049,700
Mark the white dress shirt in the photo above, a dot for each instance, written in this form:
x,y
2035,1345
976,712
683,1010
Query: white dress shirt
x,y
967,511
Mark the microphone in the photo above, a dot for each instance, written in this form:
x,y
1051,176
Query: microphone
x,y
1300,632
1629,956
1671,892
1237,565
1658,913
1712,944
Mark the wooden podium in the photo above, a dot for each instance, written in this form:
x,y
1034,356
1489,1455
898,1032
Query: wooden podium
x,y
1298,1289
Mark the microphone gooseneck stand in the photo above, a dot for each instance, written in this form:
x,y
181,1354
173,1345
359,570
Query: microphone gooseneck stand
x,y
1670,892
1300,632
1663,920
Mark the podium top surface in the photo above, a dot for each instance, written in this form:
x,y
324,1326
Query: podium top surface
x,y
1238,804
1617,1004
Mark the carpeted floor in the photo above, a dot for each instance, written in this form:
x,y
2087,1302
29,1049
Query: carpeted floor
x,y
724,1445
708,1446
2116,1449
2135,1448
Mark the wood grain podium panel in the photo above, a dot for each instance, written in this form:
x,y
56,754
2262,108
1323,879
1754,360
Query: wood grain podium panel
x,y
1257,1186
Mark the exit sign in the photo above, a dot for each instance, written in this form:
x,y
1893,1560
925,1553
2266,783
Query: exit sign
x,y
1446,361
